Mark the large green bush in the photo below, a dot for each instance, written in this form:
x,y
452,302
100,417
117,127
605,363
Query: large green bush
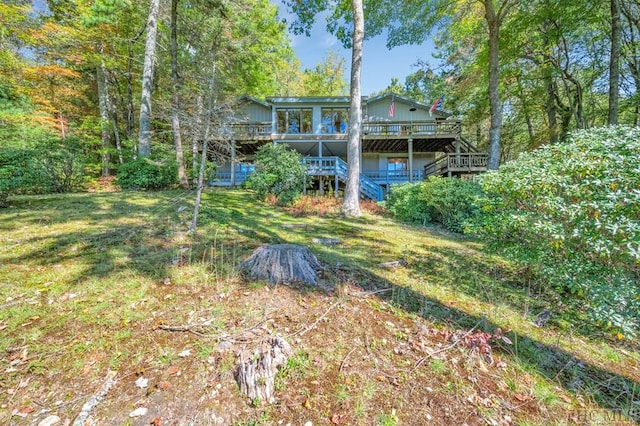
x,y
148,173
13,172
448,201
43,164
279,172
571,212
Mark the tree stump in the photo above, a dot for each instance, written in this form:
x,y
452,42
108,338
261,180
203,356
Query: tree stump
x,y
256,376
281,264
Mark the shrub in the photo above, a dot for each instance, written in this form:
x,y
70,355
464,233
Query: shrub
x,y
450,202
148,173
58,165
571,212
279,172
13,172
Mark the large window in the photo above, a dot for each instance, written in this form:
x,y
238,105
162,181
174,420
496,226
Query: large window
x,y
397,166
294,120
335,120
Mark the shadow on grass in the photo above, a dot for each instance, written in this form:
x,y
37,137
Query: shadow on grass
x,y
608,389
141,239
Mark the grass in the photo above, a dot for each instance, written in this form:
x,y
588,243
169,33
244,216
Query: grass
x,y
86,279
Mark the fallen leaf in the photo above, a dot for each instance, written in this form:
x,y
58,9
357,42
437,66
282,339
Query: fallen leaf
x,y
522,397
156,421
565,398
142,382
338,419
24,411
173,370
164,385
138,412
185,353
307,404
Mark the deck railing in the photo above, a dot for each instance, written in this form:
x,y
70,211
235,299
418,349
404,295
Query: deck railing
x,y
407,128
462,162
390,177
335,166
369,128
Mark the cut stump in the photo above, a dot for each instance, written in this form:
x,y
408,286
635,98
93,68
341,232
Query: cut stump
x,y
256,376
282,264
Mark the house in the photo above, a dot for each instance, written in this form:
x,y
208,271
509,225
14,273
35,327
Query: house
x,y
401,140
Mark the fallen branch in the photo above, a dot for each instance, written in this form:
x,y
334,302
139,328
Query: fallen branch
x,y
304,331
394,264
88,406
446,348
345,359
189,328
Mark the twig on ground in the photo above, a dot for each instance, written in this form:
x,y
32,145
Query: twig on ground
x,y
189,328
305,330
446,348
345,359
88,406
365,294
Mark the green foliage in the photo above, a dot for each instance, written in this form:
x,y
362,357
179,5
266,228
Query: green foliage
x,y
572,213
13,166
148,173
44,164
279,172
450,202
59,165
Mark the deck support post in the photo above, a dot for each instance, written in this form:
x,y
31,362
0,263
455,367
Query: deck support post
x,y
319,148
336,183
233,163
410,153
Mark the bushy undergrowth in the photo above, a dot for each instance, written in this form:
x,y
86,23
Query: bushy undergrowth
x,y
148,173
450,202
279,172
45,164
571,212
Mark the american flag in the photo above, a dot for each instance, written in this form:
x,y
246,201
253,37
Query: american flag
x,y
392,107
437,104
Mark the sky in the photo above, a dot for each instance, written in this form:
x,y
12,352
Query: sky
x,y
379,64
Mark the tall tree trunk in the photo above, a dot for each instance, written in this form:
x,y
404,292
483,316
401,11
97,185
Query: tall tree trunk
x,y
131,127
103,104
205,147
351,205
197,134
144,137
493,23
552,111
175,98
614,63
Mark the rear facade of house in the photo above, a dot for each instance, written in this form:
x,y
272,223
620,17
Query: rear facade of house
x,y
401,141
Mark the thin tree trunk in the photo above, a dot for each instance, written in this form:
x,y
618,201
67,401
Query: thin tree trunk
x,y
103,104
205,148
552,111
175,98
144,137
196,135
614,63
351,205
495,106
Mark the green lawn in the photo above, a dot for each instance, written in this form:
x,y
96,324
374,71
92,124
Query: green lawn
x,y
87,279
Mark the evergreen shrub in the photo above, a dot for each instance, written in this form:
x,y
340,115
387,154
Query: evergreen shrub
x,y
279,172
571,212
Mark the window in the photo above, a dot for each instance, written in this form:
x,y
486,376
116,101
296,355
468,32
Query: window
x,y
335,120
397,166
294,120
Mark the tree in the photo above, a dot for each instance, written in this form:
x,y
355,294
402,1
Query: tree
x,y
351,205
326,78
614,62
175,97
144,136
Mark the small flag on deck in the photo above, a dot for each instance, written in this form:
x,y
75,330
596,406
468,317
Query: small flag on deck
x,y
392,107
436,105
